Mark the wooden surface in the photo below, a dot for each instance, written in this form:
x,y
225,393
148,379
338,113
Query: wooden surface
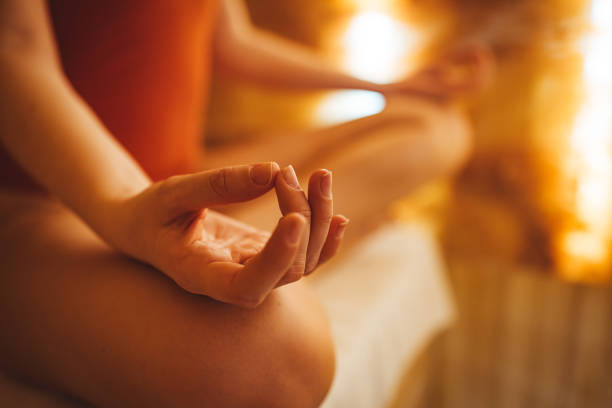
x,y
522,339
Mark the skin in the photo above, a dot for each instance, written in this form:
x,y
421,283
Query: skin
x,y
210,254
161,300
377,159
77,306
243,50
111,192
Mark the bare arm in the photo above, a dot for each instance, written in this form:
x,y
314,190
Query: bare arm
x,y
46,126
243,50
247,52
54,136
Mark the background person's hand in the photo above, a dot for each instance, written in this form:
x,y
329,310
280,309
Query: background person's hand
x,y
170,227
461,71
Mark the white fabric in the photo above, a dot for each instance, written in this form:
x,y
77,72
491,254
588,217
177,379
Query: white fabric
x,y
385,301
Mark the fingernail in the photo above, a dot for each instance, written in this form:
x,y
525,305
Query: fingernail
x,y
261,173
290,177
341,228
325,185
340,231
295,232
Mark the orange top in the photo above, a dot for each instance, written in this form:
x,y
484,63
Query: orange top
x,y
144,67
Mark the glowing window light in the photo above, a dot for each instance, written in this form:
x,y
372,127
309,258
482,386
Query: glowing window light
x,y
585,249
591,142
375,46
601,13
375,49
598,60
348,105
583,244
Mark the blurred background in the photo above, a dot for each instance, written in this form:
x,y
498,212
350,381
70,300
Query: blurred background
x,y
525,227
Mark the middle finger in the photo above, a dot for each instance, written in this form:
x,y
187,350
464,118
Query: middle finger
x,y
321,204
291,198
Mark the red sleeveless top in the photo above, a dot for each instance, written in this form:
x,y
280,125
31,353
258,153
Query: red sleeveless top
x,y
144,67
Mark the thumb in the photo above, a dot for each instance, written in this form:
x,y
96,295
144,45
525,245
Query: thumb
x,y
219,186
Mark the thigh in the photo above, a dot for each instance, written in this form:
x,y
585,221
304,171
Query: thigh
x,y
83,319
14,393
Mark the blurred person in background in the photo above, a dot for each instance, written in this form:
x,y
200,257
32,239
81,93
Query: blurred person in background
x,y
119,286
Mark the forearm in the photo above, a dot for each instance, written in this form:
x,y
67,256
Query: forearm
x,y
270,60
56,138
250,53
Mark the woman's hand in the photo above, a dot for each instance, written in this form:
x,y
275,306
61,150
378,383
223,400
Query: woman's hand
x,y
171,227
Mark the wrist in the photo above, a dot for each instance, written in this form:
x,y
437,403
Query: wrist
x,y
113,218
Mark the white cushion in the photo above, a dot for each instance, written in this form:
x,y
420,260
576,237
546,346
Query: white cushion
x,y
385,300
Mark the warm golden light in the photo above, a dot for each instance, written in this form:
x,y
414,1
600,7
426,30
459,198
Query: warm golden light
x,y
376,45
376,48
343,106
591,144
586,256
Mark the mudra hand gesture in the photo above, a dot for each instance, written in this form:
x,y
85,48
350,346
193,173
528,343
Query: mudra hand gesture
x,y
170,226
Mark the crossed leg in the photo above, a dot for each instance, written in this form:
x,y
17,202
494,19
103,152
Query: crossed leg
x,y
80,319
374,160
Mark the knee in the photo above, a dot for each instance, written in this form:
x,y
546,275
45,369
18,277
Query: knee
x,y
279,354
449,137
438,137
454,139
304,359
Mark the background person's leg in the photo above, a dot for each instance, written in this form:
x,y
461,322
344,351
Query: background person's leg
x,y
80,318
374,160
